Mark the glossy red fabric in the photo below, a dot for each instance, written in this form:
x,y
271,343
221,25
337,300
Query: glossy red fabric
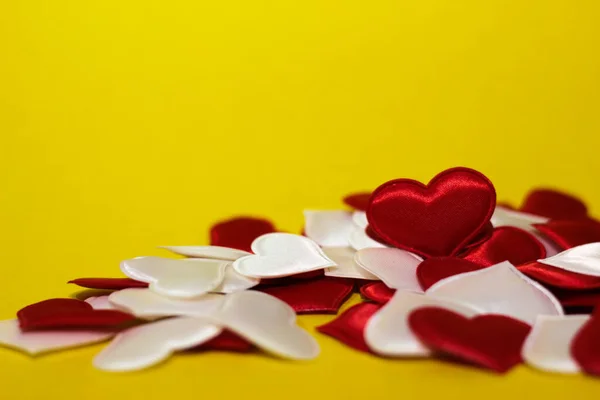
x,y
437,219
108,283
240,232
585,347
358,201
554,204
558,277
571,233
226,341
507,243
434,269
377,292
68,313
373,235
485,233
490,341
288,280
349,327
320,295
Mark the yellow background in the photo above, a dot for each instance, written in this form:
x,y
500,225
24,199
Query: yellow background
x,y
130,124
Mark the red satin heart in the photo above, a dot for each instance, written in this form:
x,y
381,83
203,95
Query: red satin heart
x,y
491,341
434,220
108,283
585,347
321,295
571,233
435,269
68,313
349,327
240,232
373,235
358,201
226,341
554,204
558,277
507,243
377,292
485,233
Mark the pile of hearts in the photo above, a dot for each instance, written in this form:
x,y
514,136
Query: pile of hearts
x,y
443,270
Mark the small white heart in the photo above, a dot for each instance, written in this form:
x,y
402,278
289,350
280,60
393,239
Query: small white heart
x,y
187,278
213,252
144,303
505,217
548,346
584,259
282,254
499,289
328,228
346,266
38,342
234,282
267,322
396,268
359,240
146,345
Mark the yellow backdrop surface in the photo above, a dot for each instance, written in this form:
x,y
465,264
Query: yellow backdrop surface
x,y
130,124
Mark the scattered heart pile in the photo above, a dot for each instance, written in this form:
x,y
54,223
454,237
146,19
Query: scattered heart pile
x,y
444,270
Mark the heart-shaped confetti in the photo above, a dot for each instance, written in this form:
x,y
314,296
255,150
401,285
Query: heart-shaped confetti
x,y
377,292
350,325
395,267
559,277
584,259
239,233
358,201
345,267
328,228
554,204
108,283
571,233
215,252
433,270
585,347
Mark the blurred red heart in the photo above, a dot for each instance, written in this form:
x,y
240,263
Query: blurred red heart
x,y
240,232
349,327
377,292
571,233
554,204
507,243
558,277
358,201
585,347
108,283
435,269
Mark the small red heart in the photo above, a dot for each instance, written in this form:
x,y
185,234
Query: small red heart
x,y
358,201
435,269
490,341
320,295
585,347
571,233
554,204
68,313
377,292
507,243
437,219
108,283
240,232
349,327
558,277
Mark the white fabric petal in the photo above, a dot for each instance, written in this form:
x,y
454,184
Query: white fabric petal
x,y
584,259
146,345
234,282
38,342
505,217
346,267
548,346
187,278
328,228
396,268
387,332
213,252
99,303
499,289
360,219
144,303
359,240
282,254
267,322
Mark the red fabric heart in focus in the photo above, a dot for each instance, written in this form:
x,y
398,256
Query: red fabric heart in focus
x,y
377,292
68,313
226,341
349,327
434,220
240,232
435,269
585,347
507,243
358,201
321,295
108,283
558,277
490,341
554,204
571,233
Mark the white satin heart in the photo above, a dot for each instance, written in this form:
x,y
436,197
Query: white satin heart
x,y
346,266
267,322
359,240
99,303
505,217
396,268
282,254
144,303
38,342
328,228
360,219
548,346
234,282
387,331
213,252
584,259
499,289
187,278
147,345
